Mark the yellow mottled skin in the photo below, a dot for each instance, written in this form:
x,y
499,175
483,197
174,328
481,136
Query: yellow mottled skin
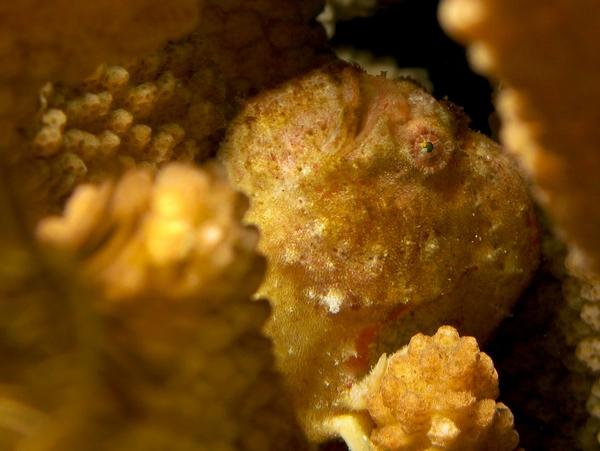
x,y
382,215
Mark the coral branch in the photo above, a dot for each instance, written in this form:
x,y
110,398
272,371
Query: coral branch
x,y
438,392
533,48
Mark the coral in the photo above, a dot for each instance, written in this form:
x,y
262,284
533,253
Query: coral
x,y
582,292
132,327
55,40
378,65
42,41
174,269
383,216
127,366
174,104
437,392
337,10
174,237
532,48
549,403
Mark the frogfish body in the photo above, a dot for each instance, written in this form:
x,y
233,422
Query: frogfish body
x,y
382,215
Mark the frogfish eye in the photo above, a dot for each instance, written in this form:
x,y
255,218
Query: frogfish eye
x,y
430,150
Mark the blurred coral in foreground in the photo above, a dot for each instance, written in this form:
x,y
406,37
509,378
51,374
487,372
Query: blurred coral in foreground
x,y
175,237
181,363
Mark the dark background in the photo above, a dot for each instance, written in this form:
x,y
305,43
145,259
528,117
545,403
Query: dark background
x,y
409,32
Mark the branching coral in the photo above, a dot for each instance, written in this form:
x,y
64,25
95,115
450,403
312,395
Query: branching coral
x,y
174,104
437,392
174,237
175,269
383,215
147,373
42,41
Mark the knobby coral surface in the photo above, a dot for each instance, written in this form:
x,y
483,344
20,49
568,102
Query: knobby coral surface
x,y
43,41
437,392
582,327
163,366
187,367
382,215
139,317
175,103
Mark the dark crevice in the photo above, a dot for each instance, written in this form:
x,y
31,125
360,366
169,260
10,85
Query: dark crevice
x,y
410,33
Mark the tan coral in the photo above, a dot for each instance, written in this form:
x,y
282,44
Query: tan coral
x,y
43,41
106,364
438,392
382,216
173,236
173,105
544,129
377,65
533,48
175,269
582,293
146,331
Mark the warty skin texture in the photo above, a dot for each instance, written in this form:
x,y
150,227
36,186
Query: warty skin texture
x,y
382,215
